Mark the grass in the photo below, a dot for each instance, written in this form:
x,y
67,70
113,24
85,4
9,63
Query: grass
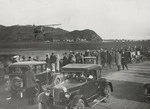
x,y
70,46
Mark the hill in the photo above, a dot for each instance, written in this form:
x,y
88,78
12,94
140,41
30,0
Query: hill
x,y
26,33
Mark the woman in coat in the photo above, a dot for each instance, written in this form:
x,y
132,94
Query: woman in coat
x,y
118,60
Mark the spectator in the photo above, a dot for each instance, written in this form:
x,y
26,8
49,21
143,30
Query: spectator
x,y
53,62
87,53
15,59
124,59
103,58
23,58
65,59
109,59
29,58
81,58
72,58
37,58
98,57
48,61
78,58
30,85
113,57
118,60
128,55
57,63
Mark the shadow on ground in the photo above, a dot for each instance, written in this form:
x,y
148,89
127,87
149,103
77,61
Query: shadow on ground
x,y
128,90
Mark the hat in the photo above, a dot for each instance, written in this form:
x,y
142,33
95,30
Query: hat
x,y
15,57
47,54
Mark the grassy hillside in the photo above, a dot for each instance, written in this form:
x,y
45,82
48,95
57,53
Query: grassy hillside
x,y
19,33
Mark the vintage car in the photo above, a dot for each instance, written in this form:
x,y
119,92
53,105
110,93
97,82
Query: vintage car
x,y
147,92
89,60
82,83
15,82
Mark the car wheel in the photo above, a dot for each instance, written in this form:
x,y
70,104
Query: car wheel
x,y
107,92
147,99
37,89
80,104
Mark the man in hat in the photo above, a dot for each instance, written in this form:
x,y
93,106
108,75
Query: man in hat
x,y
29,58
15,59
30,82
47,61
53,62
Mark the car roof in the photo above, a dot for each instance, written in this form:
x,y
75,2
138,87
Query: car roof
x,y
27,63
80,67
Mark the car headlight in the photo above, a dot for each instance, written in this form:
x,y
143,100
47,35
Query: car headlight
x,y
67,95
47,92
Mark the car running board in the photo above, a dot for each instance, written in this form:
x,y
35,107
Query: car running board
x,y
96,101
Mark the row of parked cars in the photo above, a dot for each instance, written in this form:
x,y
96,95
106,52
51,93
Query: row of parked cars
x,y
74,87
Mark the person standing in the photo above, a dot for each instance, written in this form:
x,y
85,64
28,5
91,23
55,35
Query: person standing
x,y
124,59
98,57
15,59
57,63
65,59
72,58
103,58
23,58
118,60
109,59
53,62
29,58
47,61
30,82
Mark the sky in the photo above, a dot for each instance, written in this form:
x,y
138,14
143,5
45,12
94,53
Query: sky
x,y
110,19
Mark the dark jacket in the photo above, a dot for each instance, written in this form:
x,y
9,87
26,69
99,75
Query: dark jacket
x,y
53,59
30,79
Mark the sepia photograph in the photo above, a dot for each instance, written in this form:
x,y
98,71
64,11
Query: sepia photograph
x,y
74,54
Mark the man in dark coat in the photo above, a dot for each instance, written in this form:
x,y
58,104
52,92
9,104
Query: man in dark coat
x,y
30,82
103,58
65,59
109,59
53,62
47,61
124,59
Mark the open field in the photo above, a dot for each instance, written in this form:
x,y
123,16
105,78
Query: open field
x,y
69,46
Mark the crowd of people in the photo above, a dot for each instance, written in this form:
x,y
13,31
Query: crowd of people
x,y
112,57
119,58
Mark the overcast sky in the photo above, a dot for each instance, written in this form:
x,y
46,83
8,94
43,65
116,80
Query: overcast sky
x,y
111,19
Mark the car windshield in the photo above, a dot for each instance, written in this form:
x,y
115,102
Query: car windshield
x,y
18,70
74,76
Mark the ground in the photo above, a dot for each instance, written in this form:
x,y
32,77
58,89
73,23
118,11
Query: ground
x,y
128,90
